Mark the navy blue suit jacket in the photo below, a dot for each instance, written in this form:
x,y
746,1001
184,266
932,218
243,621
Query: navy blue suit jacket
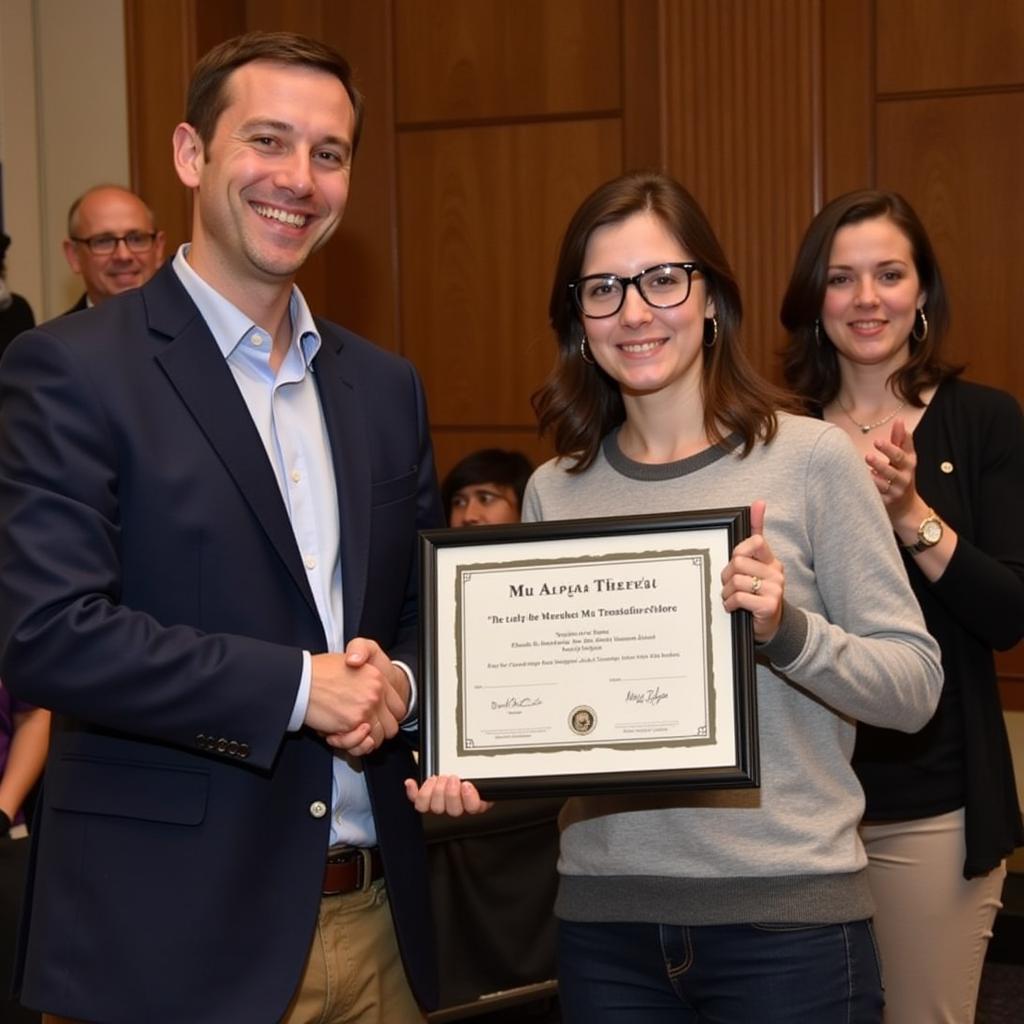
x,y
152,594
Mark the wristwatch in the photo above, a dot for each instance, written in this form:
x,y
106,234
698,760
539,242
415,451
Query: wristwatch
x,y
929,533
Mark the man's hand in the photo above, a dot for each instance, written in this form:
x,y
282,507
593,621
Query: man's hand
x,y
357,699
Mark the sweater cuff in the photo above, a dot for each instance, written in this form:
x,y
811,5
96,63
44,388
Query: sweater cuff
x,y
787,644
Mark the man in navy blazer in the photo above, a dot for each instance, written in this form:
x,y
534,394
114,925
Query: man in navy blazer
x,y
209,506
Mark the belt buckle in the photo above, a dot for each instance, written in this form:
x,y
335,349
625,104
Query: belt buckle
x,y
362,857
365,874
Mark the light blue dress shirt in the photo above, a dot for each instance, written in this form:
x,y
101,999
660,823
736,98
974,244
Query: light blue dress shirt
x,y
285,408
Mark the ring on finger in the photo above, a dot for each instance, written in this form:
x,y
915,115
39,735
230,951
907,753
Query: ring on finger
x,y
755,584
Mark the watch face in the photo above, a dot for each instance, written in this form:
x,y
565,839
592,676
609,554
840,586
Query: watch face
x,y
931,532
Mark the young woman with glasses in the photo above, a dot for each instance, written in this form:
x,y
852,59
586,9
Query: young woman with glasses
x,y
866,311
721,905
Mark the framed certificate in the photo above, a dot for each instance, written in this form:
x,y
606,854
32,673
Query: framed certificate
x,y
586,655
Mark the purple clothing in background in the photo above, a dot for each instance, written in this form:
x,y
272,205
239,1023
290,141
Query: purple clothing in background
x,y
9,707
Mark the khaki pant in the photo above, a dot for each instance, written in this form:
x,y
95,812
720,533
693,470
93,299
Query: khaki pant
x,y
354,974
932,924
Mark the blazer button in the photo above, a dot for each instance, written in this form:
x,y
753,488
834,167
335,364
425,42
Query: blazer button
x,y
222,745
200,741
318,808
243,749
233,747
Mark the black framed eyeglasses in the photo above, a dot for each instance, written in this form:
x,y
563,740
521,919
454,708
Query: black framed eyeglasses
x,y
105,245
663,286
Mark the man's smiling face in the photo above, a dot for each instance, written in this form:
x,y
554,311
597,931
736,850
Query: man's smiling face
x,y
272,185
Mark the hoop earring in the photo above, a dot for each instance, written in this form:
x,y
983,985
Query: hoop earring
x,y
585,353
714,332
924,327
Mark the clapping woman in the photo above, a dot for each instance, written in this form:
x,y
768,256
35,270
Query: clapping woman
x,y
866,312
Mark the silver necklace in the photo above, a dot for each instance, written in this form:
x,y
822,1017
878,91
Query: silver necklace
x,y
866,428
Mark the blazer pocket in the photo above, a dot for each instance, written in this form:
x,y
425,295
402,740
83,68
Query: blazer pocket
x,y
399,488
125,789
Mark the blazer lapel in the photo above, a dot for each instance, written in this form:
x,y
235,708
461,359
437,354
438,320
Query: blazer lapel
x,y
346,426
198,372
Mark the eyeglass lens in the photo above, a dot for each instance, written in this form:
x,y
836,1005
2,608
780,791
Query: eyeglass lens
x,y
104,245
663,286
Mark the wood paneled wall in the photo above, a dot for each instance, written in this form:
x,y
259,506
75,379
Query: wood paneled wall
x,y
741,115
488,120
507,114
934,92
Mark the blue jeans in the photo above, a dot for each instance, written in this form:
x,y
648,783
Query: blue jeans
x,y
718,974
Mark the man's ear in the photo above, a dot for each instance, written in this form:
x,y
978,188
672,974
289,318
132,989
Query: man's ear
x,y
71,255
188,154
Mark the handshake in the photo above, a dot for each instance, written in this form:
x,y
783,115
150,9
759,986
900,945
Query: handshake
x,y
358,699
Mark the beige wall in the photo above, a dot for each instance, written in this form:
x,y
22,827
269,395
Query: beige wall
x,y
19,151
63,127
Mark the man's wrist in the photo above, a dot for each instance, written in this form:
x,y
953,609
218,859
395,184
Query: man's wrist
x,y
411,709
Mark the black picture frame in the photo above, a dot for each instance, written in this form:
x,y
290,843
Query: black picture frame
x,y
470,656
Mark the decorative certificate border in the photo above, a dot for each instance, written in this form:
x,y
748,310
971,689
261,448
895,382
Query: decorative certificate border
x,y
586,655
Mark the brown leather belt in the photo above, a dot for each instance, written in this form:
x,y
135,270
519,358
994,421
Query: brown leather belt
x,y
351,869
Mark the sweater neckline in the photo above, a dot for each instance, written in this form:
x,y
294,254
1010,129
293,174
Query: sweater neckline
x,y
653,471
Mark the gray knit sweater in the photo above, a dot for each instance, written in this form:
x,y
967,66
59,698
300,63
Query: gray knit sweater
x,y
852,646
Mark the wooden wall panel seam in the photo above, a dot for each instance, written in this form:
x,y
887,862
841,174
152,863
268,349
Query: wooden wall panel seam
x,y
469,428
954,93
663,132
817,62
394,248
131,47
408,127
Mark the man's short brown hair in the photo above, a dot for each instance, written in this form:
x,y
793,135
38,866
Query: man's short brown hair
x,y
207,94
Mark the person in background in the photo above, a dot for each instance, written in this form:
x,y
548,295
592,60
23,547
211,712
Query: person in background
x,y
722,905
24,737
866,312
15,312
486,487
209,505
113,243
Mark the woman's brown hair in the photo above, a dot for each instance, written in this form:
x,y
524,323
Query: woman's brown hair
x,y
579,403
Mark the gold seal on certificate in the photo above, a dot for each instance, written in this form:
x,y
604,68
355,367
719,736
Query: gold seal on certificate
x,y
582,720
596,654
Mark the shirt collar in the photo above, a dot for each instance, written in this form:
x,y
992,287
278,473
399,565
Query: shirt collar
x,y
229,325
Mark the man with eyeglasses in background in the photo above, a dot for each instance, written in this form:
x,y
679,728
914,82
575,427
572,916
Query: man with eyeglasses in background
x,y
112,242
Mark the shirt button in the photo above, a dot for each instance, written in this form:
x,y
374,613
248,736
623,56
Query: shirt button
x,y
318,808
946,467
257,339
310,562
296,475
